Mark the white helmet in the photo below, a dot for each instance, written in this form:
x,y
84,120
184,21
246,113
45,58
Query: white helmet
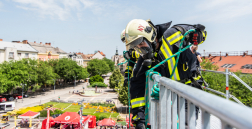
x,y
137,31
123,36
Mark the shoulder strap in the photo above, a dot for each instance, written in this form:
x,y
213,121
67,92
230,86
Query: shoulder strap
x,y
196,84
180,28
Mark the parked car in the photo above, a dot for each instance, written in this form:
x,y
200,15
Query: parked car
x,y
9,97
2,99
17,95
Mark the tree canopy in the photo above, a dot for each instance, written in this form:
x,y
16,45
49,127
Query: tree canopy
x,y
97,67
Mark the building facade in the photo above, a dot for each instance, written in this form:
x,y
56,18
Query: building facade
x,y
45,51
16,51
234,61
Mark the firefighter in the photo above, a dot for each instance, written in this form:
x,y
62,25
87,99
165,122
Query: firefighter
x,y
155,44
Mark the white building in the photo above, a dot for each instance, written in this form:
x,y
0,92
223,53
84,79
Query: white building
x,y
16,51
98,55
77,58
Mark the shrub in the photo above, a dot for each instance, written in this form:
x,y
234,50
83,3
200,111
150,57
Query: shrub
x,y
96,78
99,84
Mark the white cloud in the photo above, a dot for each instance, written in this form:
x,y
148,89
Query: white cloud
x,y
64,9
222,10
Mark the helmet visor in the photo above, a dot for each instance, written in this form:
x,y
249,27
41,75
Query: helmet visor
x,y
143,48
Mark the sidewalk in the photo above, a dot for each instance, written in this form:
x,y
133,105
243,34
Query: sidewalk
x,y
46,96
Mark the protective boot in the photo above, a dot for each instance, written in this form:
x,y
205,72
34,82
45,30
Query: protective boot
x,y
140,125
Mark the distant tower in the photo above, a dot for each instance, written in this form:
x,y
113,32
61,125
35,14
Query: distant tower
x,y
116,51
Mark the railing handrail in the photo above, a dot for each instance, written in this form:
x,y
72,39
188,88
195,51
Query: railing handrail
x,y
235,115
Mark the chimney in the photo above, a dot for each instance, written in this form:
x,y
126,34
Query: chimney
x,y
34,41
41,43
244,54
25,41
226,54
49,44
45,43
1,39
209,55
16,41
220,56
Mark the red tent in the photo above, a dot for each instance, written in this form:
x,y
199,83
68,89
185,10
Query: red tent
x,y
51,121
107,122
29,114
68,117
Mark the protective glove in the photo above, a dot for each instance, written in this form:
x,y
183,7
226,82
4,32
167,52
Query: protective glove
x,y
128,55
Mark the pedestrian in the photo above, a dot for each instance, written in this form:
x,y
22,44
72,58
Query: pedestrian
x,y
156,43
16,99
59,98
69,92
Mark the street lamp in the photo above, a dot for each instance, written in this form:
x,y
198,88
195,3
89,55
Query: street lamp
x,y
75,80
22,91
81,109
54,85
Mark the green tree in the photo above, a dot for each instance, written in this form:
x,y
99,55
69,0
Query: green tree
x,y
97,67
116,79
45,73
217,82
96,78
66,69
110,63
123,94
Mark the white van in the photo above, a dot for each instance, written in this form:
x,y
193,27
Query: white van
x,y
7,106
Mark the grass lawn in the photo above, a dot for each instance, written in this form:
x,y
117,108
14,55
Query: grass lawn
x,y
76,108
121,122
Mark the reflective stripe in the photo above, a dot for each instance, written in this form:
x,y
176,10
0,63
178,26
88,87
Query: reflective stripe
x,y
196,78
132,54
129,67
135,118
137,55
155,54
171,63
174,37
184,67
138,102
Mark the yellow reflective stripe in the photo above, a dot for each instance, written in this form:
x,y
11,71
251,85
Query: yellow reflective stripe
x,y
174,38
138,105
184,67
171,63
155,54
137,55
196,78
129,67
137,99
188,82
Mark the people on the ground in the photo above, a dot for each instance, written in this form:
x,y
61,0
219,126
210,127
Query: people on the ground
x,y
155,44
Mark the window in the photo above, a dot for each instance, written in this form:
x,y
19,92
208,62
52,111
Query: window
x,y
247,66
11,55
8,106
228,65
26,55
19,54
33,54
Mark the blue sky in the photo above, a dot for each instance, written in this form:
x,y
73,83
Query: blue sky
x,y
89,25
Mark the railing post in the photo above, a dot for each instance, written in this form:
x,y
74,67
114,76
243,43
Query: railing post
x,y
162,107
174,110
227,87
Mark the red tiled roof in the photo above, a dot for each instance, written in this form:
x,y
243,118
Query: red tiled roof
x,y
239,61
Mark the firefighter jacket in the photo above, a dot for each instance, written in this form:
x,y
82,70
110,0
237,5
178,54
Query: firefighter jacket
x,y
169,46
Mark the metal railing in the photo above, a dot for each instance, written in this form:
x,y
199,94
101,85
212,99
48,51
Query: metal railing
x,y
228,95
172,97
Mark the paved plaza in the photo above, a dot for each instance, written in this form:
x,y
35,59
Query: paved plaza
x,y
44,97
